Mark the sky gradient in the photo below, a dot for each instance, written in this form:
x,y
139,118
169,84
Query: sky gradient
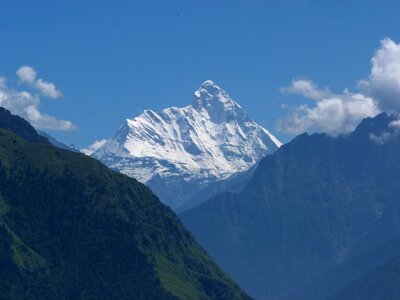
x,y
113,59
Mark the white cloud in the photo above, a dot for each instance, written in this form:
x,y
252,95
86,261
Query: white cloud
x,y
48,89
331,113
93,147
26,104
44,121
394,130
338,113
306,88
28,75
395,124
383,82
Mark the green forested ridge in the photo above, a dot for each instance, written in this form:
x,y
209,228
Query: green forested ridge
x,y
20,127
71,228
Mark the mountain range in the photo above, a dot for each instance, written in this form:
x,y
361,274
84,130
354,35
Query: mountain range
x,y
317,218
311,210
70,228
178,152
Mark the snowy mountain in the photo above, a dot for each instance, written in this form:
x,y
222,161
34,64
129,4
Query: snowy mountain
x,y
179,151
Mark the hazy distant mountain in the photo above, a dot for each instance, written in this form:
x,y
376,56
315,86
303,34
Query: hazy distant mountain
x,y
57,143
179,151
325,285
315,203
235,183
72,229
382,283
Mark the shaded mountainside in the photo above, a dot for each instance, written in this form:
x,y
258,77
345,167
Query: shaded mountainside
x,y
235,183
178,152
315,203
71,228
382,283
325,285
20,127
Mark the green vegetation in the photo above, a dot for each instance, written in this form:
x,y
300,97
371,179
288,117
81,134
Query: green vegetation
x,y
72,229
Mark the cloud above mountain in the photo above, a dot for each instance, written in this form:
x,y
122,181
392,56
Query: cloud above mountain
x,y
330,112
93,147
28,75
26,103
383,82
337,113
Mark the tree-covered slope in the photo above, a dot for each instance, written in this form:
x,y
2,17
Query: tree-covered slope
x,y
70,228
20,127
315,203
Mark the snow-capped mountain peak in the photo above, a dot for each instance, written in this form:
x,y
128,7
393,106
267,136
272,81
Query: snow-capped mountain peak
x,y
209,140
212,98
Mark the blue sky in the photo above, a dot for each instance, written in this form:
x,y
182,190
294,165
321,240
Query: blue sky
x,y
113,59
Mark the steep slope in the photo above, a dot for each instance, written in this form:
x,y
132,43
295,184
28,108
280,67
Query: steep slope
x,y
382,283
313,204
70,228
179,151
20,127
